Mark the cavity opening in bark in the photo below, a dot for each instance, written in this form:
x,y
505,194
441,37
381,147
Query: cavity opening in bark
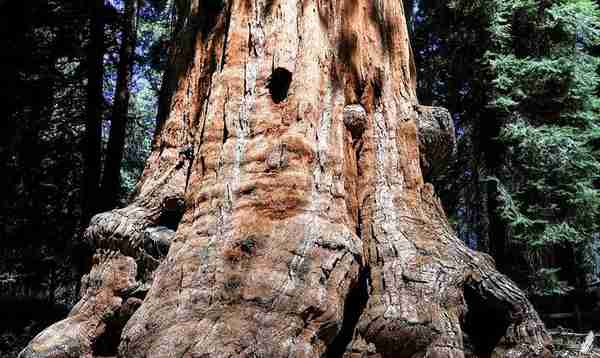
x,y
108,343
485,322
171,213
279,84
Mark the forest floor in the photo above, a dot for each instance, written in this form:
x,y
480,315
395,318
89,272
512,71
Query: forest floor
x,y
569,344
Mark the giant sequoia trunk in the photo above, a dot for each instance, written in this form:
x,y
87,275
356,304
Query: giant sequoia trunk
x,y
283,211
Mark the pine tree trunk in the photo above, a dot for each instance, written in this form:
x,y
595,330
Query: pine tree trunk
x,y
95,101
286,187
111,178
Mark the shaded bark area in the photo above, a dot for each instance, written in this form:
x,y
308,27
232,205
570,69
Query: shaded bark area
x,y
303,225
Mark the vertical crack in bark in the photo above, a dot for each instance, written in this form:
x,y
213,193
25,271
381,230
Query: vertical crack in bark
x,y
358,150
358,295
226,35
188,175
202,166
225,130
355,303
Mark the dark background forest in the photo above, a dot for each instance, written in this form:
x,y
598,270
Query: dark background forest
x,y
81,86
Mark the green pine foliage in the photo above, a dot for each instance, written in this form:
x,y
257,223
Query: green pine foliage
x,y
521,78
154,34
543,81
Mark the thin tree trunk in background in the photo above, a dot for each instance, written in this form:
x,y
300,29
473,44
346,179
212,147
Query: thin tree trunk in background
x,y
93,130
30,153
409,11
493,153
111,178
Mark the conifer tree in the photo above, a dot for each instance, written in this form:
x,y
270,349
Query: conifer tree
x,y
528,166
543,81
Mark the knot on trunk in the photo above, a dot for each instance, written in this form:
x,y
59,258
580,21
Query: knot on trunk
x,y
119,229
437,141
277,158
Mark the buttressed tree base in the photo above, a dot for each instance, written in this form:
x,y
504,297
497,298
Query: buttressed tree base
x,y
283,211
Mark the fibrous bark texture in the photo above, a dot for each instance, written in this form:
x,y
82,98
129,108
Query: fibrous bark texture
x,y
105,300
286,183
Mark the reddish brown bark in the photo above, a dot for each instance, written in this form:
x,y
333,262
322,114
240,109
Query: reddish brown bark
x,y
298,220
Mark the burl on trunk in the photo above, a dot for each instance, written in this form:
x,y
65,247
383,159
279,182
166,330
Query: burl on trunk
x,y
283,211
